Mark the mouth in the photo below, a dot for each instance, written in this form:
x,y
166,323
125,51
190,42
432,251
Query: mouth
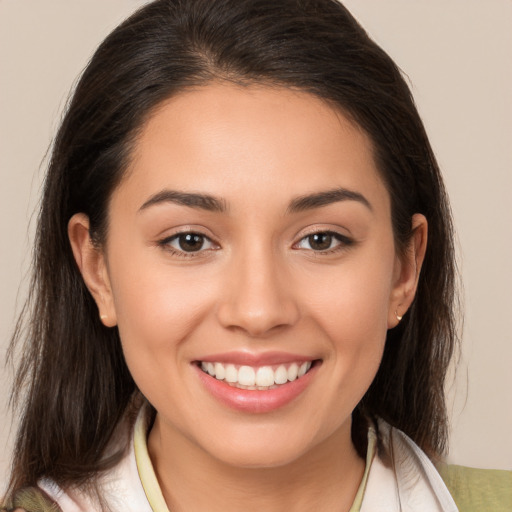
x,y
256,383
260,378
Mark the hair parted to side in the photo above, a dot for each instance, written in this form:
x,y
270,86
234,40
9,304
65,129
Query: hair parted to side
x,y
72,385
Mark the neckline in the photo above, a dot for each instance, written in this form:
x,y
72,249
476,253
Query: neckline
x,y
152,488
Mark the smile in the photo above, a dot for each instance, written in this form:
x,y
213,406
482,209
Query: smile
x,y
256,383
260,378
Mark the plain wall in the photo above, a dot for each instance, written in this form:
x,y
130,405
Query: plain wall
x,y
457,55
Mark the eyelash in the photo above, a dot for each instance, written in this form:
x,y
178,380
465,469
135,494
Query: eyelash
x,y
343,243
166,244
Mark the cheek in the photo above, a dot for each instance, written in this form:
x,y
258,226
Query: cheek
x,y
350,306
158,315
352,300
157,310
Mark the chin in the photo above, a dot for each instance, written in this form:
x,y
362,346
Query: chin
x,y
261,457
261,448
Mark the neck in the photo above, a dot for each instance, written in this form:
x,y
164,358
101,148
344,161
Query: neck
x,y
325,478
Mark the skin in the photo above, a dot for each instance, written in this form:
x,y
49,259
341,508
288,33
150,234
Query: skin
x,y
259,285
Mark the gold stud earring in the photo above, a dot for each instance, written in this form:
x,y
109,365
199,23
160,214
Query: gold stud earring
x,y
103,317
398,317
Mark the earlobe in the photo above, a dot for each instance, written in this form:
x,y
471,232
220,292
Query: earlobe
x,y
408,271
92,265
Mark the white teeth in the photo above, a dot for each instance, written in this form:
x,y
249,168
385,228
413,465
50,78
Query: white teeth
x,y
303,369
220,371
293,372
265,376
262,378
246,376
231,373
281,375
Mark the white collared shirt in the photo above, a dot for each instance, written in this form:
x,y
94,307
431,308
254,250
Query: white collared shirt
x,y
408,482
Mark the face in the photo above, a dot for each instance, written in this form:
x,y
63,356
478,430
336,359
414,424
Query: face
x,y
251,270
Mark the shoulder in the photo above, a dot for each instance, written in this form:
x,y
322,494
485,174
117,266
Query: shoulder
x,y
478,489
402,477
117,488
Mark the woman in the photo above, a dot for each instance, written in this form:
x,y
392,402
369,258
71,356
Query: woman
x,y
244,274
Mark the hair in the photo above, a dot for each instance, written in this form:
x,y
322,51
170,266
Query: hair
x,y
72,386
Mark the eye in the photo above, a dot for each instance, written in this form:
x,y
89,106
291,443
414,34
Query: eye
x,y
323,241
188,242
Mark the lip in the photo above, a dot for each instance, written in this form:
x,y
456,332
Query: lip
x,y
254,401
251,359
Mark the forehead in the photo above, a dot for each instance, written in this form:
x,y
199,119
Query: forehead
x,y
232,141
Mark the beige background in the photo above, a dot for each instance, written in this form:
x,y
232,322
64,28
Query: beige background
x,y
457,54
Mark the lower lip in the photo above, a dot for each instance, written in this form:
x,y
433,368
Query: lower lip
x,y
254,401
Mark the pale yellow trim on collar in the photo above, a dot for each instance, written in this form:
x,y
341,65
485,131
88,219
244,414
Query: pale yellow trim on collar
x,y
144,466
370,454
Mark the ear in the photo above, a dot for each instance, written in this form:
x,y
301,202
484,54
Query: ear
x,y
407,271
92,264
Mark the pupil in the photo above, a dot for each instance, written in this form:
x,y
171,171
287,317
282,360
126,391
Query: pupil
x,y
320,241
191,242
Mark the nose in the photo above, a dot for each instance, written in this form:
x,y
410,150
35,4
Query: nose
x,y
257,299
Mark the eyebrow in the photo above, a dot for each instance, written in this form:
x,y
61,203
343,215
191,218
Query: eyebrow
x,y
214,204
192,200
319,199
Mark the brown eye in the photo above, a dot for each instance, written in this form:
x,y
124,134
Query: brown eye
x,y
190,242
320,241
324,241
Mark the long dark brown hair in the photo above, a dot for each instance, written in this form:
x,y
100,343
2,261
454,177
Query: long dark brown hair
x,y
72,385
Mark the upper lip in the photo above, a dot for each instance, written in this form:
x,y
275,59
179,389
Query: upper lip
x,y
255,359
